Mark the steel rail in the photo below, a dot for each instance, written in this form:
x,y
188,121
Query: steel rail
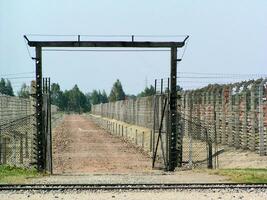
x,y
193,186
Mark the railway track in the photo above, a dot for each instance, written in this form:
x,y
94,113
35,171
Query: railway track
x,y
60,187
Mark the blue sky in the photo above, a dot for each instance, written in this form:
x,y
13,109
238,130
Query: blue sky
x,y
226,36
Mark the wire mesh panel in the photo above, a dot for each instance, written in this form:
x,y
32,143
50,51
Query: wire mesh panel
x,y
196,145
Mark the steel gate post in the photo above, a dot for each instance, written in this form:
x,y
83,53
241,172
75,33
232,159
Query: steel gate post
x,y
39,114
174,136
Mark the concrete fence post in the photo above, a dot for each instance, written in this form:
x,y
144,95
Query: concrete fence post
x,y
4,151
21,149
136,139
223,131
252,134
237,116
151,141
143,139
230,117
262,134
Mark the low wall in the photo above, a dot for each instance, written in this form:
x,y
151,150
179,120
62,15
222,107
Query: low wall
x,y
136,135
194,150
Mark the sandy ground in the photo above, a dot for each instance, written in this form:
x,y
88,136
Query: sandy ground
x,y
140,195
85,153
238,158
82,147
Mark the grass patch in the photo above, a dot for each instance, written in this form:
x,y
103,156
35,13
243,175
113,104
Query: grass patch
x,y
10,174
248,175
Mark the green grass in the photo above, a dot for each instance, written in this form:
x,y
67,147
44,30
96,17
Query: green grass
x,y
248,175
9,174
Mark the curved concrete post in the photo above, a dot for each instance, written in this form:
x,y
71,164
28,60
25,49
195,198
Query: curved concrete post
x,y
236,110
230,117
224,111
252,113
262,133
244,113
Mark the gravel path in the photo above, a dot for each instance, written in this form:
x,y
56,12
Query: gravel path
x,y
139,195
80,146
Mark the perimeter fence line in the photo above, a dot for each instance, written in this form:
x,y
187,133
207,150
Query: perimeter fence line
x,y
233,114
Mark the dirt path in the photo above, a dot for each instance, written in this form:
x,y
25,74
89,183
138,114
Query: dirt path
x,y
79,146
85,153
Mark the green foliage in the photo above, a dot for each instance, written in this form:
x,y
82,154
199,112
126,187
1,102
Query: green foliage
x,y
76,101
248,175
116,93
103,97
10,174
71,100
57,96
148,91
130,96
6,87
24,91
96,97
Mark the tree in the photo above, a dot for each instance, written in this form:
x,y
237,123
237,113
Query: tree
x,y
3,86
24,91
103,97
57,97
148,91
75,100
117,93
6,87
94,97
9,89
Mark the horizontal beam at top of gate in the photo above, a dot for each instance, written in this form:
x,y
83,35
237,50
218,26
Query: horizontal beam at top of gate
x,y
122,44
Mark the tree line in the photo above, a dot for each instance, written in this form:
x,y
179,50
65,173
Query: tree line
x,y
74,100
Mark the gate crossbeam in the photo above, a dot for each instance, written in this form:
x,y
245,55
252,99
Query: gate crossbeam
x,y
106,44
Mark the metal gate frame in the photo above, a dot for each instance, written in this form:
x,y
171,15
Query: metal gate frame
x,y
174,135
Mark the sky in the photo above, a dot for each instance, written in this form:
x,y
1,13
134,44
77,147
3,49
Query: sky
x,y
226,37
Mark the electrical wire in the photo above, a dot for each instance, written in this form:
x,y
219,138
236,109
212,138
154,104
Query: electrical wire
x,y
5,75
29,77
28,50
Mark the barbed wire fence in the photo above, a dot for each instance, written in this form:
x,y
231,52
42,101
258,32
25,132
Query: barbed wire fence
x,y
152,112
227,112
17,131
